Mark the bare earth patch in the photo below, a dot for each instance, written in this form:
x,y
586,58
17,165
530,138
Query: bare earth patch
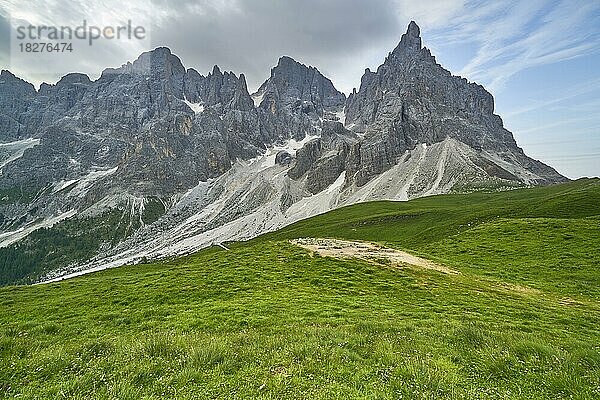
x,y
370,252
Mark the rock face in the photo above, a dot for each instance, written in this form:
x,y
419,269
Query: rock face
x,y
15,97
296,98
294,88
411,99
184,159
283,158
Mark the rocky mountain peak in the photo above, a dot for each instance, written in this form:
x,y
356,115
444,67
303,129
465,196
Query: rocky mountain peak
x,y
242,83
160,59
297,87
9,79
74,79
6,75
288,61
290,71
411,40
66,92
413,30
412,100
158,62
216,71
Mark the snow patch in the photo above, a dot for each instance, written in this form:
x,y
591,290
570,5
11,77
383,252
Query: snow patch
x,y
197,108
291,146
84,182
257,98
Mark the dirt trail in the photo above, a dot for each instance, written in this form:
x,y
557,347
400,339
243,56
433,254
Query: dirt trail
x,y
367,251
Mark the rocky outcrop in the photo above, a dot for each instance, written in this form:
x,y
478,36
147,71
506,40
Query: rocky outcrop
x,y
15,97
283,158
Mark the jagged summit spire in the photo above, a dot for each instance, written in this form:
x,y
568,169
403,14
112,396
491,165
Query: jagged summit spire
x,y
411,40
413,30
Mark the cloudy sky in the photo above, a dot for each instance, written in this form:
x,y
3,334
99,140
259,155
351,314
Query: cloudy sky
x,y
540,58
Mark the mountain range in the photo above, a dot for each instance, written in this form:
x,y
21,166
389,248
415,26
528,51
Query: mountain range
x,y
154,160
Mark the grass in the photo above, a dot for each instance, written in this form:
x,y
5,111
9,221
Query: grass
x,y
269,320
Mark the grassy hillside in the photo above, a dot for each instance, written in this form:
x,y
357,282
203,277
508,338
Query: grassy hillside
x,y
270,320
507,235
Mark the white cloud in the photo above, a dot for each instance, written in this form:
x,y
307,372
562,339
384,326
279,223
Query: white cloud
x,y
569,94
515,35
430,13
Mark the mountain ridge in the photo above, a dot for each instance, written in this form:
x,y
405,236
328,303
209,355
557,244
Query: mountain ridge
x,y
174,160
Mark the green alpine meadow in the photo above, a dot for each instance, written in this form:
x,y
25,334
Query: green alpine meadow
x,y
300,200
518,317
